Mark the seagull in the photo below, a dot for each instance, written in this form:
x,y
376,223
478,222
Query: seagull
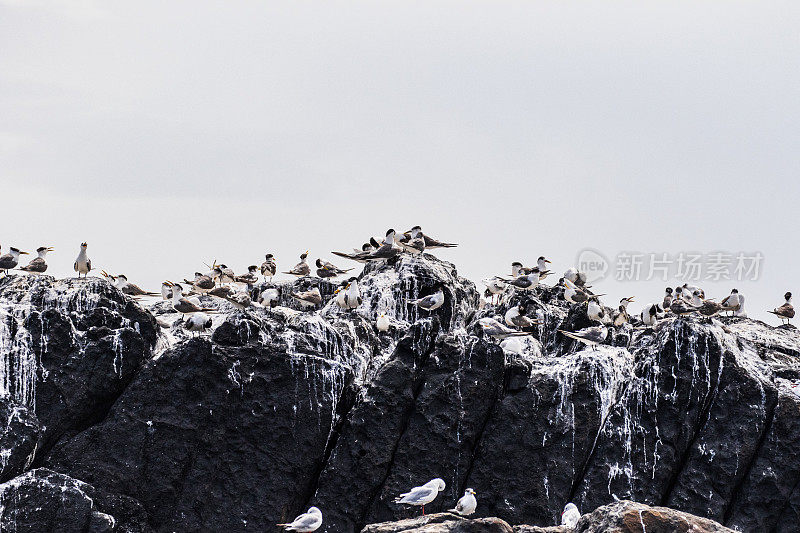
x,y
733,301
591,336
667,298
309,298
570,516
422,495
431,302
306,522
413,241
83,265
11,259
37,265
515,317
430,242
249,279
697,298
269,267
352,295
182,305
496,330
198,323
329,270
301,269
382,323
573,294
166,291
202,282
786,311
494,286
269,298
467,504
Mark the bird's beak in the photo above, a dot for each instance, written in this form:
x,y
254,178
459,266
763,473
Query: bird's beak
x,y
169,283
24,253
630,299
50,248
547,261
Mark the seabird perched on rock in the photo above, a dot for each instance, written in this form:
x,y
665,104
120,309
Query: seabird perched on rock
x,y
575,276
786,311
525,281
83,265
301,269
430,242
309,298
360,256
38,265
382,323
667,298
166,291
467,504
431,302
387,250
269,298
697,298
595,311
679,305
570,516
496,330
269,267
542,263
198,323
306,522
733,302
649,315
11,259
591,336
249,279
574,294
516,266
515,317
413,241
621,315
182,305
709,308
352,294
121,282
494,286
202,282
422,495
329,270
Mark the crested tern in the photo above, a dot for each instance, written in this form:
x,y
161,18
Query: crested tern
x,y
301,269
329,270
183,305
309,298
38,265
467,504
382,323
493,328
515,317
591,336
83,265
269,267
11,259
431,302
198,323
249,279
786,311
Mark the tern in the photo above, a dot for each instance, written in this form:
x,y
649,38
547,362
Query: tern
x,y
595,311
667,298
516,266
83,265
710,308
121,282
202,282
591,336
515,317
11,259
301,269
37,265
542,263
413,241
786,311
570,516
269,298
496,330
467,504
525,281
249,279
329,270
360,256
387,250
352,295
680,307
621,315
575,276
310,298
422,495
494,286
269,267
306,522
382,323
198,323
733,302
182,305
649,315
430,242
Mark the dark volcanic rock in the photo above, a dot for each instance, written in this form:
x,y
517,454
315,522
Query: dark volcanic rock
x,y
42,500
19,438
214,438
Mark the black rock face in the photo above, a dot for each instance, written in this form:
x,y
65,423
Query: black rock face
x,y
275,410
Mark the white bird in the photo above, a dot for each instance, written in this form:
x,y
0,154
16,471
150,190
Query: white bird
x,y
595,311
573,294
269,267
494,286
422,495
269,298
591,336
413,241
352,296
516,266
198,323
83,265
741,311
166,291
667,298
306,522
467,504
382,323
182,305
697,298
525,281
733,301
621,315
575,276
570,516
649,315
515,317
541,263
431,302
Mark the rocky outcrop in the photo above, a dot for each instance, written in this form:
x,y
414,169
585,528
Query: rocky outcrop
x,y
279,409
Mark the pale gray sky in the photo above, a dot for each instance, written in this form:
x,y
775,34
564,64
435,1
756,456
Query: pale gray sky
x,y
171,133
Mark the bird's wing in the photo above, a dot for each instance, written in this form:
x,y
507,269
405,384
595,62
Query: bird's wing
x,y
416,495
89,264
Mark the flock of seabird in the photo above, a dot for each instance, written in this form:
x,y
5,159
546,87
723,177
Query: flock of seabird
x,y
680,301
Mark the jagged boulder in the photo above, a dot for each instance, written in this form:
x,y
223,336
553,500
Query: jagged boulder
x,y
215,438
441,523
42,500
68,348
632,517
20,431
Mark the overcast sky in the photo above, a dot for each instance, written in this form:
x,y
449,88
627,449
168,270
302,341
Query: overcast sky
x,y
171,133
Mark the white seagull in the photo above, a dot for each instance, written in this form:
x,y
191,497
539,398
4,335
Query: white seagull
x,y
306,522
570,516
467,504
422,495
